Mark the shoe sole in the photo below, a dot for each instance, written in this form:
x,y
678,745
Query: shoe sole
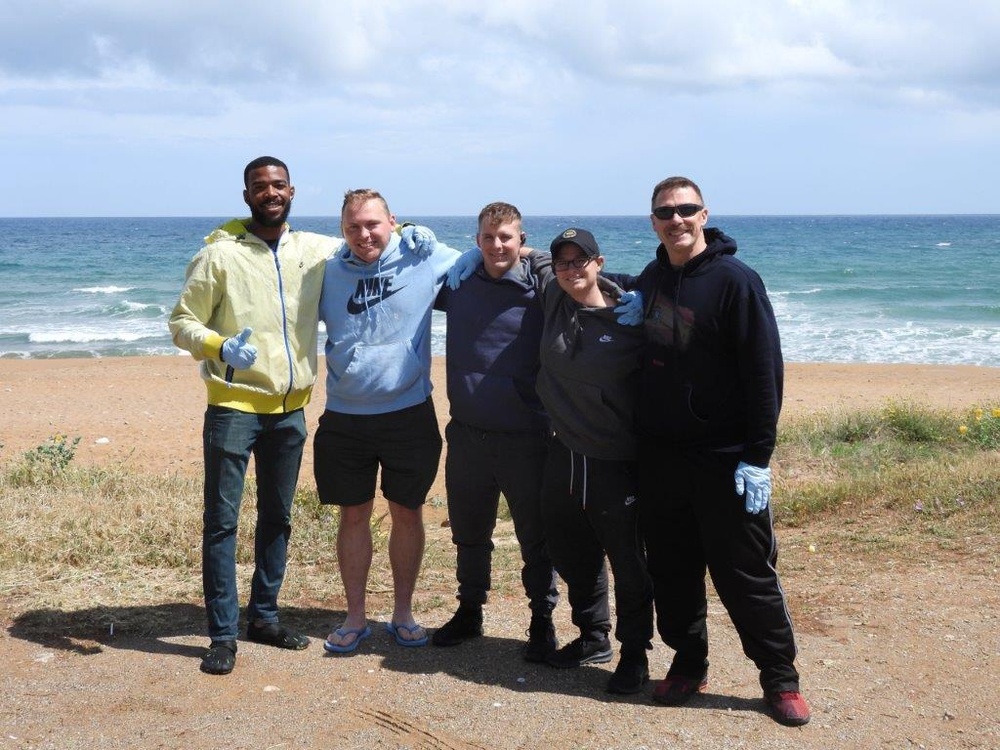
x,y
630,690
393,629
602,657
359,635
536,659
453,641
299,643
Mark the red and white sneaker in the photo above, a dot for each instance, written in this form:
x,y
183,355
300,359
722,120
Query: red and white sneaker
x,y
675,691
788,707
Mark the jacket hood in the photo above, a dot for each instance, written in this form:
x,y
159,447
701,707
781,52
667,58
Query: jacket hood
x,y
234,229
348,258
719,243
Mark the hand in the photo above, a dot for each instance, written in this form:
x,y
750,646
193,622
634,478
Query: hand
x,y
464,266
755,483
418,240
237,353
630,309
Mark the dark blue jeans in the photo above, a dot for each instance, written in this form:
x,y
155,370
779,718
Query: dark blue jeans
x,y
276,442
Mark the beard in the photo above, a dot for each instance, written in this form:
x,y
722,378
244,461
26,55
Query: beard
x,y
265,220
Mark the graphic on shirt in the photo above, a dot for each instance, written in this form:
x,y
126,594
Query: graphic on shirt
x,y
668,325
370,292
606,338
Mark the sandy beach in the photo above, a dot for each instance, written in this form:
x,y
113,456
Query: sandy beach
x,y
147,411
874,624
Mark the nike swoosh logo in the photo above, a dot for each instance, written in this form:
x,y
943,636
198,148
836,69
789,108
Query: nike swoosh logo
x,y
356,306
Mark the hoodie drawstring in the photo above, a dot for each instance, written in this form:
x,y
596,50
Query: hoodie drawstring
x,y
572,477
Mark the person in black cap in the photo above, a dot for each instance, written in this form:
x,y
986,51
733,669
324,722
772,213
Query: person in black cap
x,y
587,383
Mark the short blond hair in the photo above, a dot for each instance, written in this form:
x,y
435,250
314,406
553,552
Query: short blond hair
x,y
363,195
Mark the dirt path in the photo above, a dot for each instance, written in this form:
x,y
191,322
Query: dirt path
x,y
892,656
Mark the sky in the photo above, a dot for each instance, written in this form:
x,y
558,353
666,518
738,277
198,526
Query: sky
x,y
562,107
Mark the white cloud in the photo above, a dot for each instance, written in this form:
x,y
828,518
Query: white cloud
x,y
583,91
305,46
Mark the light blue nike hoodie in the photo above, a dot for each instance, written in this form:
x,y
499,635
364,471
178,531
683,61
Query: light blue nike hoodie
x,y
378,327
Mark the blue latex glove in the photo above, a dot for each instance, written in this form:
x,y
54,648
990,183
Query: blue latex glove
x,y
755,483
237,353
418,240
630,309
465,265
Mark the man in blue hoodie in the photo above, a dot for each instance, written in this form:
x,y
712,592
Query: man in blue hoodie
x,y
376,304
499,433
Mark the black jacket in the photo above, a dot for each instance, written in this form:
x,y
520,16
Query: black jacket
x,y
712,370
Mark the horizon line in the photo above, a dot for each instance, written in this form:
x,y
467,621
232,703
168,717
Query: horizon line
x,y
526,216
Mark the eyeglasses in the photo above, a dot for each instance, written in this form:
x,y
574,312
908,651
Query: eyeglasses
x,y
577,263
685,210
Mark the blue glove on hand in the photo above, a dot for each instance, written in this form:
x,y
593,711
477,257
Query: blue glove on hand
x,y
630,309
237,353
755,483
418,240
465,265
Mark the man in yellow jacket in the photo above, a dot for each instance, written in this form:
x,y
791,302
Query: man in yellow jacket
x,y
249,313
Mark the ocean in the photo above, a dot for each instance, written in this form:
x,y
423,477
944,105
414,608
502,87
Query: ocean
x,y
914,289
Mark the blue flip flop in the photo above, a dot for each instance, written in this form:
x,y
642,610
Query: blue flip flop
x,y
393,630
336,648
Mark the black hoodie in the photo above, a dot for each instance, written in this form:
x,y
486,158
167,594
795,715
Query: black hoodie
x,y
712,369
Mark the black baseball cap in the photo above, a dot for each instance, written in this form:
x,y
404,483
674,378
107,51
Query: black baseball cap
x,y
579,237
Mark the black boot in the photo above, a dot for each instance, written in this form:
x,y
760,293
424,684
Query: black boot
x,y
465,624
541,639
631,673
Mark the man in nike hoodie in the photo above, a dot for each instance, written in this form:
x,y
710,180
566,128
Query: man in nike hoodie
x,y
376,304
709,398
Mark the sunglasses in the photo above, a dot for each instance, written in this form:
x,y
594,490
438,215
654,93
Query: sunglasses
x,y
685,210
577,263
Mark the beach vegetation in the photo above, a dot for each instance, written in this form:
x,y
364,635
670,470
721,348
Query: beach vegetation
x,y
981,427
45,462
899,478
899,473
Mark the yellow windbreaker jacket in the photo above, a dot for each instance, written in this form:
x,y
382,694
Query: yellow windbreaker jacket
x,y
235,282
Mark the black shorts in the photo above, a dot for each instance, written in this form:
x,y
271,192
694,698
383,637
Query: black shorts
x,y
348,450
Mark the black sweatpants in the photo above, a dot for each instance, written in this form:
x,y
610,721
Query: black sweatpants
x,y
692,520
479,466
590,509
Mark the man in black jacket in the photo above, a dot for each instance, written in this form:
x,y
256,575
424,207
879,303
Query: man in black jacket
x,y
710,395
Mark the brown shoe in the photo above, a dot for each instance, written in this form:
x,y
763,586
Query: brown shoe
x,y
676,690
788,707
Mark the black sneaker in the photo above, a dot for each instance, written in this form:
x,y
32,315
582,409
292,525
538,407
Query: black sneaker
x,y
220,658
541,639
273,634
579,652
631,673
465,624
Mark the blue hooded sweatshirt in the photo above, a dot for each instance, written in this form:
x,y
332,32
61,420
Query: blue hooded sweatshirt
x,y
378,327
